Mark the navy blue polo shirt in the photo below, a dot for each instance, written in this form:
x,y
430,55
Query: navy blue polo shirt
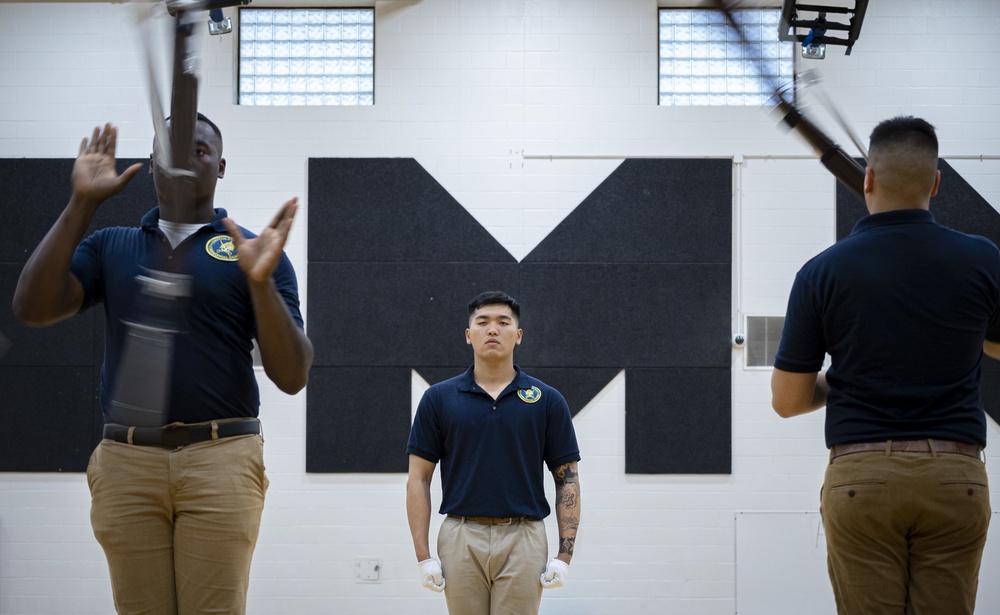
x,y
902,306
492,452
213,374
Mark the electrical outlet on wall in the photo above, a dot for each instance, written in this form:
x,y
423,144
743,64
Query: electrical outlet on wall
x,y
368,569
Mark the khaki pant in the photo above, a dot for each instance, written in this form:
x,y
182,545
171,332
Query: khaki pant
x,y
492,569
905,532
178,526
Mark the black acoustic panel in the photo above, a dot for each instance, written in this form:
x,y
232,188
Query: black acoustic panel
x,y
434,375
678,421
626,315
396,314
578,385
49,419
650,211
959,206
357,293
70,342
350,322
850,208
357,420
390,210
36,190
49,375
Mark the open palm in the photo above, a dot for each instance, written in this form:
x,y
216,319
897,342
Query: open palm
x,y
258,256
94,176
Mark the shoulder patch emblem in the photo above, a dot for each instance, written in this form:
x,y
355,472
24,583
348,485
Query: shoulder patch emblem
x,y
530,396
222,247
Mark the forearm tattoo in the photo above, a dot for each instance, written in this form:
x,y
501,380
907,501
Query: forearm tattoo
x,y
566,545
567,505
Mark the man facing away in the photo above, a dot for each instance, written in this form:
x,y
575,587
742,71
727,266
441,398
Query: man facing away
x,y
176,508
492,428
905,308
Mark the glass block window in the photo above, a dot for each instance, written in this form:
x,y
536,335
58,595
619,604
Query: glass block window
x,y
307,57
703,63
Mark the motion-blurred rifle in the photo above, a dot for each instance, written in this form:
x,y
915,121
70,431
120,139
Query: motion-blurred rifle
x,y
843,167
142,386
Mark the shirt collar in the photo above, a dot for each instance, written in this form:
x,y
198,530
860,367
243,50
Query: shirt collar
x,y
468,382
896,216
151,220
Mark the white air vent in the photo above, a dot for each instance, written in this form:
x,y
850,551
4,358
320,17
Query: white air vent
x,y
763,335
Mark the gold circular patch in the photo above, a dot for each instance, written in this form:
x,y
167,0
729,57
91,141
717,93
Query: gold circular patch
x,y
222,247
530,396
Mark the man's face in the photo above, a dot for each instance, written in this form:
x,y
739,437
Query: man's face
x,y
493,332
206,162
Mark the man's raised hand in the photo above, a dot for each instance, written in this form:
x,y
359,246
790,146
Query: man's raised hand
x,y
94,177
259,256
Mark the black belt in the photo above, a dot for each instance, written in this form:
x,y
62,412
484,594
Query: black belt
x,y
173,436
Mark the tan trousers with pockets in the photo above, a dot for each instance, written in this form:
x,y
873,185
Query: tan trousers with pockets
x,y
905,532
178,526
492,569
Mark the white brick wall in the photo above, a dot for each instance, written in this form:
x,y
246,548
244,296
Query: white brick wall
x,y
519,108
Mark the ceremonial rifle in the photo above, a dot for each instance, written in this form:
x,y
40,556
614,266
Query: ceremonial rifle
x,y
843,167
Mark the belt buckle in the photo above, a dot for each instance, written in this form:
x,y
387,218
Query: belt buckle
x,y
174,437
510,521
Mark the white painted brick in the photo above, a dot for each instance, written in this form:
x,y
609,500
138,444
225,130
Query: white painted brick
x,y
467,86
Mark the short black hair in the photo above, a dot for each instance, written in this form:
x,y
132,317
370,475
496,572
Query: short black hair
x,y
903,153
201,117
904,130
495,297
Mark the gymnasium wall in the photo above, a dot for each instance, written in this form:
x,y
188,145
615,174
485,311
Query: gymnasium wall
x,y
519,111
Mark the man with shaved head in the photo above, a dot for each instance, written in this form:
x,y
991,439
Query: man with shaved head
x,y
176,504
905,308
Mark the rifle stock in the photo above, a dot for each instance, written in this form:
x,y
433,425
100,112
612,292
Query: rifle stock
x,y
843,167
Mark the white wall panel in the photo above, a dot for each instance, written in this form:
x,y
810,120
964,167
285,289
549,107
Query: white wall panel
x,y
519,108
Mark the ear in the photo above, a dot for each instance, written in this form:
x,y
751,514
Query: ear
x,y
869,180
222,167
520,334
937,184
468,337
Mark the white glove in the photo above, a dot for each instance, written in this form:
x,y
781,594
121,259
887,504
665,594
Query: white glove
x,y
556,573
430,574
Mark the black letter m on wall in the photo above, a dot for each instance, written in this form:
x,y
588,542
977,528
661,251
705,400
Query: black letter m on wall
x,y
638,278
